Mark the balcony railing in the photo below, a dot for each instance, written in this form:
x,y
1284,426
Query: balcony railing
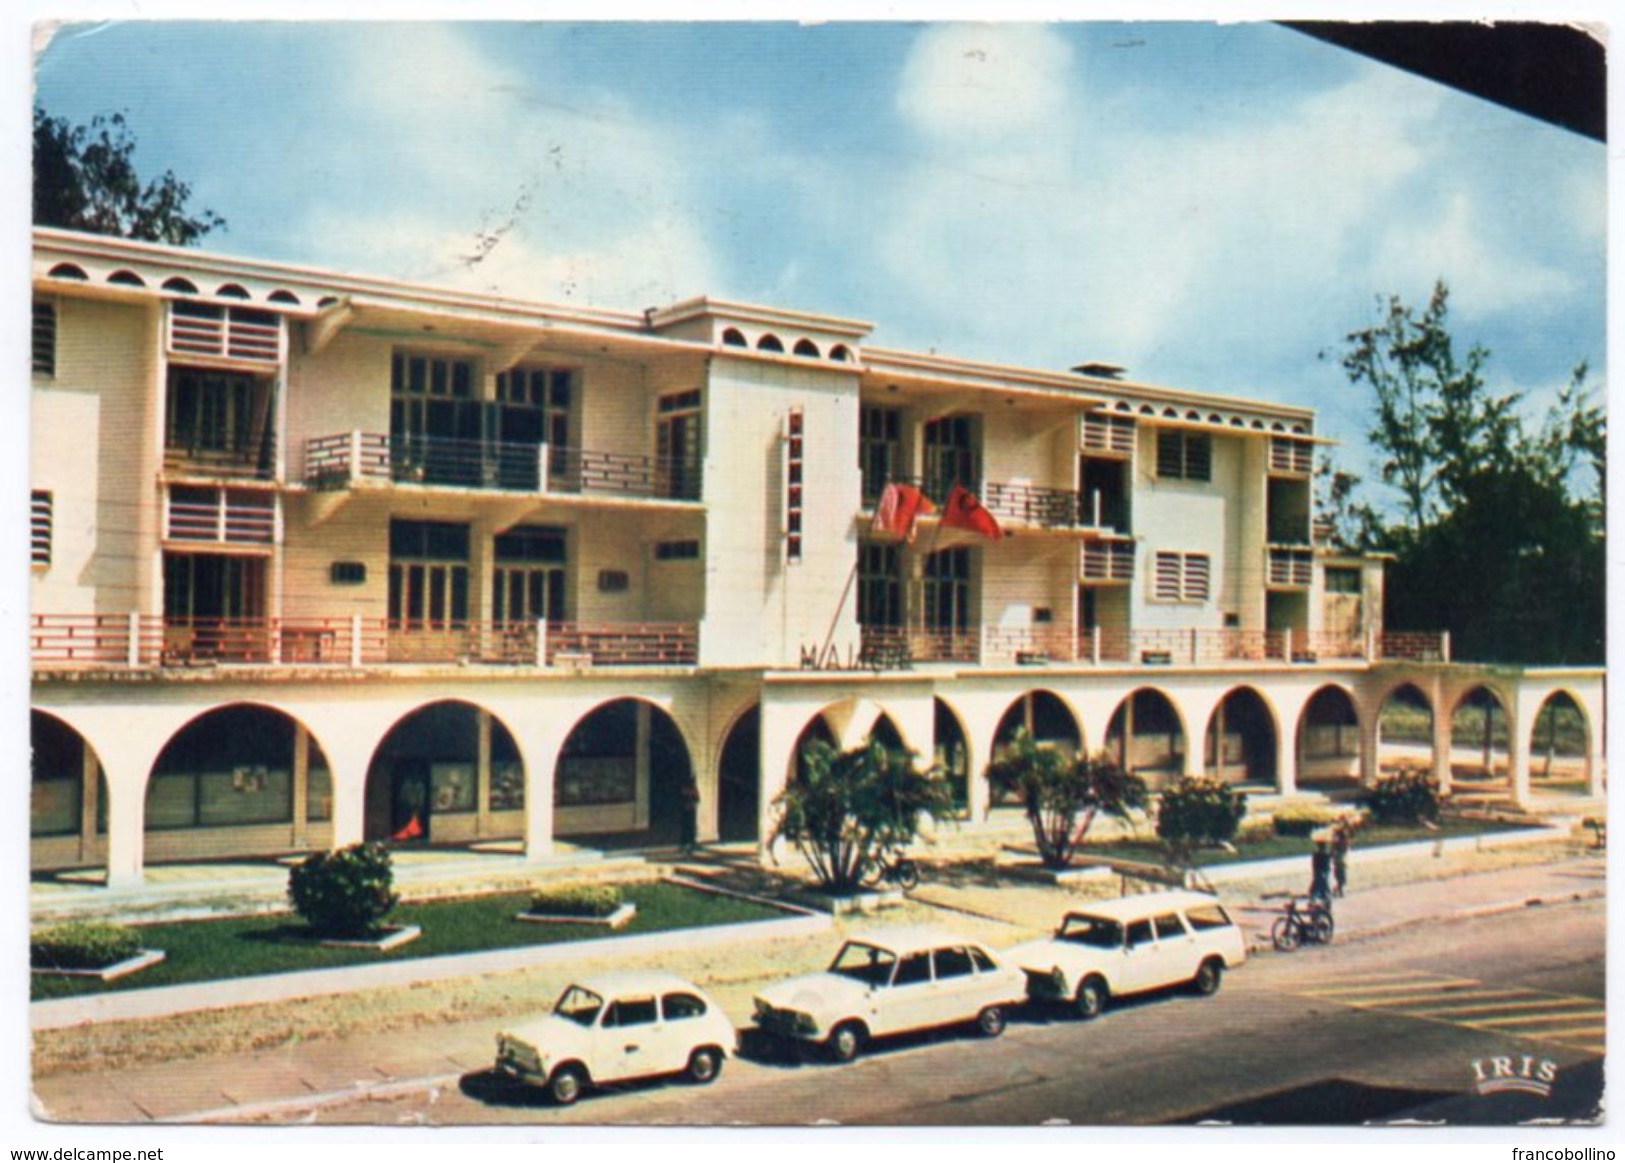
x,y
1035,506
338,460
898,647
222,516
1290,568
128,640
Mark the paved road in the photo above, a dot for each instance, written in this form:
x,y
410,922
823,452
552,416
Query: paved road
x,y
1379,1030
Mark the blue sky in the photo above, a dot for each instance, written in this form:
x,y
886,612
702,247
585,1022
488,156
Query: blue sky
x,y
1210,205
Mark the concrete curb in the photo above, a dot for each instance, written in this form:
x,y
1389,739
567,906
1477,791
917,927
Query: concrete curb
x,y
164,1001
1295,865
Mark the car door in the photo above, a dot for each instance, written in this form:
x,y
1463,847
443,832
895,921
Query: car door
x,y
683,1025
910,1001
629,1039
1139,957
959,993
1176,957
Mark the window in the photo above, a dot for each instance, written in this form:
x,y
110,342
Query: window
x,y
1186,456
953,963
1182,577
428,572
223,418
913,969
677,445
984,963
44,338
41,503
631,1012
532,408
1168,926
682,1005
951,446
795,453
1207,917
1139,933
880,585
1342,579
947,590
880,449
677,550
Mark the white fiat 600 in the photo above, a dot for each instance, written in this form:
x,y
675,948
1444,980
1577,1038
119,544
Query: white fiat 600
x,y
1131,945
888,983
615,1027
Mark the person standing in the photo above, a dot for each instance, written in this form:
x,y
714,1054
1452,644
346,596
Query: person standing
x,y
689,823
1320,871
1341,840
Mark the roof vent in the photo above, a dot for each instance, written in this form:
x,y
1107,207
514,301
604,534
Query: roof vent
x,y
1101,371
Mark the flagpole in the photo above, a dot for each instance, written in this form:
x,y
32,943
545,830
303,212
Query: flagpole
x,y
829,635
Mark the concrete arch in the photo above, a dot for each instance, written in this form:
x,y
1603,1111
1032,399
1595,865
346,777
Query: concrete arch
x,y
954,751
1483,727
455,784
1258,745
739,777
227,788
621,774
1329,736
67,796
1026,709
1158,763
1558,761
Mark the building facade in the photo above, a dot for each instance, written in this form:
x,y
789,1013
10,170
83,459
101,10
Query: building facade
x,y
318,558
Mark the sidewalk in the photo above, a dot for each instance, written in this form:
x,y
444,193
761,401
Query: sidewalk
x,y
238,1086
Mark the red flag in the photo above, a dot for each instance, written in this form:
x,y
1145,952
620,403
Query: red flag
x,y
900,506
411,830
963,511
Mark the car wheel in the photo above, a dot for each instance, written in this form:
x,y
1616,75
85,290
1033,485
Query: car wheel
x,y
990,1022
845,1041
566,1085
704,1065
1091,998
1208,976
1284,933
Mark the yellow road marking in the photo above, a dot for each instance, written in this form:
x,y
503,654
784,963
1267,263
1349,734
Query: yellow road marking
x,y
1476,1005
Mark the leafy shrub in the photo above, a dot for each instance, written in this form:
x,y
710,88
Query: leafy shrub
x,y
344,894
1199,809
1061,795
1406,798
1302,821
82,945
577,900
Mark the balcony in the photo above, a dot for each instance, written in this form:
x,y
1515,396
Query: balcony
x,y
220,516
183,459
339,461
1029,506
899,647
129,641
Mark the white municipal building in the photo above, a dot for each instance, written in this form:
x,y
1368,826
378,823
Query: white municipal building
x,y
319,558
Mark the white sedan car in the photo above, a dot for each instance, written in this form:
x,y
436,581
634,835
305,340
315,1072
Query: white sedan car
x,y
888,983
1131,945
615,1027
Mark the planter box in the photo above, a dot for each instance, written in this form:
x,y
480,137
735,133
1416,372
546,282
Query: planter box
x,y
112,972
865,901
613,920
397,936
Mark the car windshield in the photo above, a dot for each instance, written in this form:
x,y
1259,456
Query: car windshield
x,y
1096,931
579,1005
866,963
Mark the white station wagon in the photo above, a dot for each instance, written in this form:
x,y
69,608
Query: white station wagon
x,y
1131,945
888,983
615,1027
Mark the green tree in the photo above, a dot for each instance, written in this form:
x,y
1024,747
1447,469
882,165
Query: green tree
x,y
1500,531
85,179
850,807
1061,795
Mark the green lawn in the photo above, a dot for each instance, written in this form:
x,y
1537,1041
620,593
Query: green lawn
x,y
1273,847
280,943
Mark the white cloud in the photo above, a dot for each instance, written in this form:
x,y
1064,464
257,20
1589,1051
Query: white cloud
x,y
1484,277
581,201
985,80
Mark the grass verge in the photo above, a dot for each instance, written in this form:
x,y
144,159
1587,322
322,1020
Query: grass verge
x,y
1271,847
214,950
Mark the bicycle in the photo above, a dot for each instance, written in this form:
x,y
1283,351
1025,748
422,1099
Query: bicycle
x,y
1310,925
899,870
